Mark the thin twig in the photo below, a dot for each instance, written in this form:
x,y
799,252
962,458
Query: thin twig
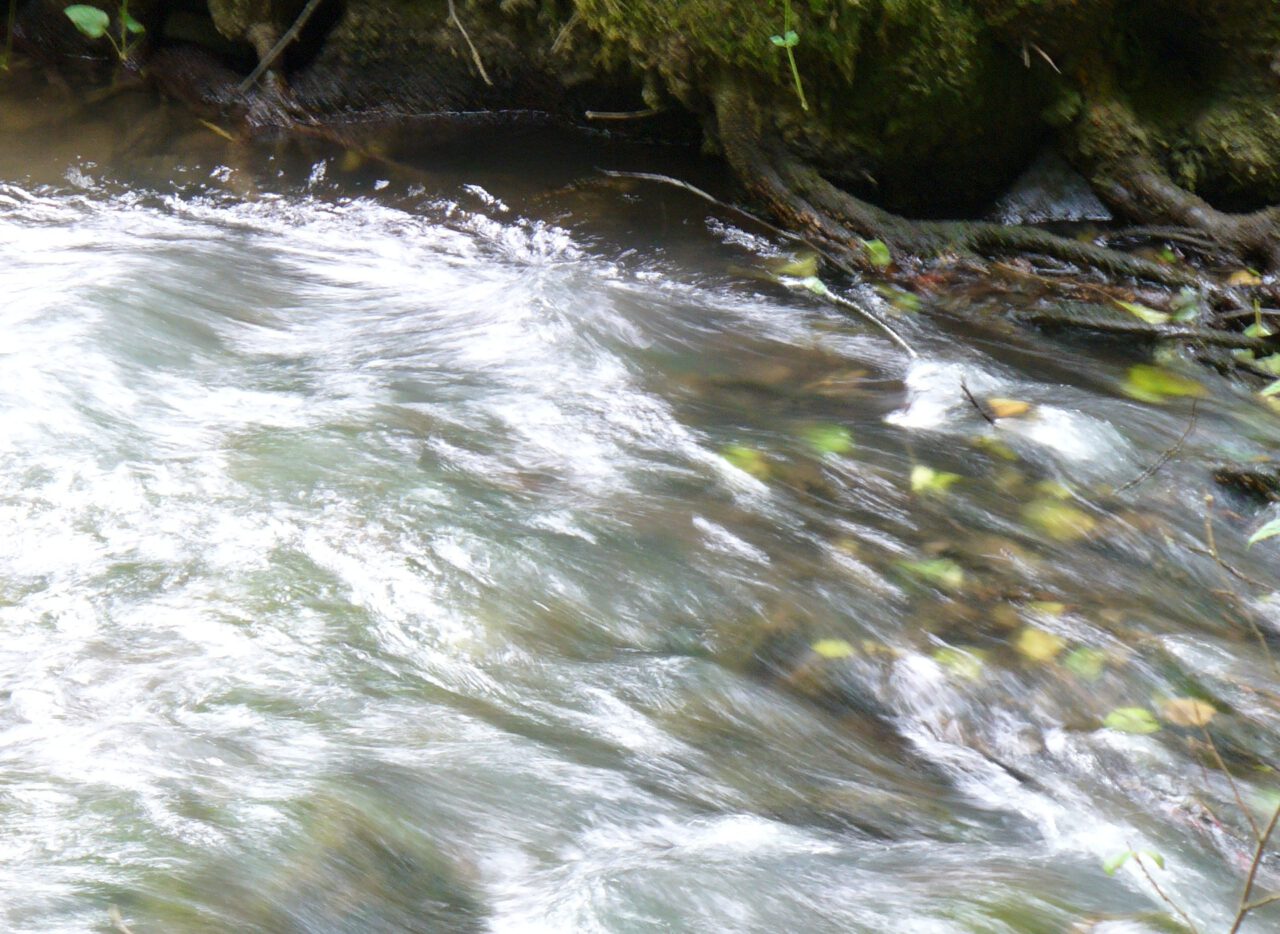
x,y
1168,455
1258,903
278,49
873,318
1137,858
622,114
976,404
1235,789
563,36
1245,906
475,55
1213,547
1045,55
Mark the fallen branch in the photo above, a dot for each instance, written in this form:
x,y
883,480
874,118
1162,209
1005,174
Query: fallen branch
x,y
278,49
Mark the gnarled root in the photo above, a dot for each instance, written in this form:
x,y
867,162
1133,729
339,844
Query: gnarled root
x,y
1111,145
801,198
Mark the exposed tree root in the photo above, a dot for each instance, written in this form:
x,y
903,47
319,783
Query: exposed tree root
x,y
798,195
1113,148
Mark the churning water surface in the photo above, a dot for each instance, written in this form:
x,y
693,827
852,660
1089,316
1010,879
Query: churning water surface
x,y
449,549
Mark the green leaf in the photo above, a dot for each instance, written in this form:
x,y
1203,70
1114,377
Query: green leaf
x,y
131,24
935,482
963,663
1038,645
833,648
942,572
1269,365
746,459
800,265
1270,530
1132,720
877,253
1154,857
1112,864
1149,315
1086,663
1060,521
778,41
829,439
1271,390
1149,383
790,38
815,285
91,21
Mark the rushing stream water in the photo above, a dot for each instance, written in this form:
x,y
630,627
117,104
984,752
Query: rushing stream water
x,y
458,550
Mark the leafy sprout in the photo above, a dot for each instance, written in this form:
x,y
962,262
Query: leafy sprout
x,y
789,40
95,23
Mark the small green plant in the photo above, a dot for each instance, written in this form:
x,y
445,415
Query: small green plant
x,y
96,23
789,40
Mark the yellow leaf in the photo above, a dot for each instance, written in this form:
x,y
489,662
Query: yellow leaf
x,y
1038,645
1243,277
1142,312
1058,520
927,480
1187,711
1008,408
747,460
833,648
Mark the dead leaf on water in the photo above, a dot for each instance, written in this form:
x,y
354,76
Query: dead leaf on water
x,y
1187,711
1008,408
1038,645
1244,277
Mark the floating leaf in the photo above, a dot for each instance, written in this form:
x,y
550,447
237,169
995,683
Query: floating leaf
x,y
878,254
995,447
1132,720
942,572
833,648
1149,383
1060,521
1153,856
1149,315
814,285
798,266
1244,277
91,21
1054,490
829,439
1111,865
1187,711
899,298
963,663
1008,408
1038,645
927,480
1086,663
746,459
1047,607
1269,365
1270,530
